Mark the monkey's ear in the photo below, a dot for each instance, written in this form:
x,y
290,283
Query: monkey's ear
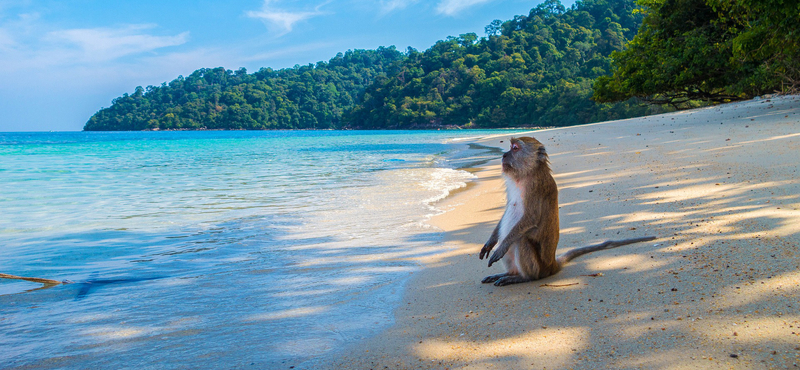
x,y
541,154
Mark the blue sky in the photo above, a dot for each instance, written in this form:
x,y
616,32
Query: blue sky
x,y
61,61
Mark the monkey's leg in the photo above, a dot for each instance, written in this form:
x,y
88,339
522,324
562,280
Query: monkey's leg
x,y
512,237
501,251
511,279
493,278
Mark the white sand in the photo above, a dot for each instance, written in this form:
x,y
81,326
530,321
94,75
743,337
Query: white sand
x,y
720,288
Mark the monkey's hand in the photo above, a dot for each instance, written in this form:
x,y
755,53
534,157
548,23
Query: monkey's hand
x,y
490,243
500,251
487,248
497,255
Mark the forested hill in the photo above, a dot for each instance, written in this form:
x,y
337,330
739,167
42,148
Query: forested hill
x,y
303,97
533,70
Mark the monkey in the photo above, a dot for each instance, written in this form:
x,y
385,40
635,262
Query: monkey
x,y
527,235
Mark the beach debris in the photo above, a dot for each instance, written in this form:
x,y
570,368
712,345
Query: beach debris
x,y
46,282
594,275
558,285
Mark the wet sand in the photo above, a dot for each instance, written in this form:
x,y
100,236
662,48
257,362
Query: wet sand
x,y
719,288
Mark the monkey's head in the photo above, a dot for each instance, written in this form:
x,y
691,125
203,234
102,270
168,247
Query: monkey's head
x,y
525,156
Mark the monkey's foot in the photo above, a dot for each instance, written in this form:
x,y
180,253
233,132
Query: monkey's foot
x,y
510,279
493,278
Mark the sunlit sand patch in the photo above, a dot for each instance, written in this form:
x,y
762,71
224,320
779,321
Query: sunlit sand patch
x,y
573,230
712,189
572,213
569,204
571,174
690,244
596,154
752,330
631,260
644,218
660,358
779,137
445,284
630,331
787,285
566,183
644,263
551,347
562,283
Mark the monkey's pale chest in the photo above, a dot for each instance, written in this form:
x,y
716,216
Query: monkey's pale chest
x,y
515,208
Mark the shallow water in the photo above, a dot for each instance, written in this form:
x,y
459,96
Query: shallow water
x,y
213,249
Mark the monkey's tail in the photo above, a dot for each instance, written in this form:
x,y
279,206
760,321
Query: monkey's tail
x,y
575,253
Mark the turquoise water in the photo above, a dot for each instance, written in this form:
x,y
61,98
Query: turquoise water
x,y
213,249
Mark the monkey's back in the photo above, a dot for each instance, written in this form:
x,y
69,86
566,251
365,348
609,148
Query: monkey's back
x,y
537,250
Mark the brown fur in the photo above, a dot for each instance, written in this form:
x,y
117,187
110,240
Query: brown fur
x,y
529,247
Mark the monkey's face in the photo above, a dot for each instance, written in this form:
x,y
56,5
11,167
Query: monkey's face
x,y
525,155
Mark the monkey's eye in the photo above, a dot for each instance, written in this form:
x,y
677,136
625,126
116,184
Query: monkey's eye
x,y
514,147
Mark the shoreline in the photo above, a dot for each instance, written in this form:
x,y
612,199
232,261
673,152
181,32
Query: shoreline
x,y
717,185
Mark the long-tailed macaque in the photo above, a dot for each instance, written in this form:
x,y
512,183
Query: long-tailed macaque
x,y
527,235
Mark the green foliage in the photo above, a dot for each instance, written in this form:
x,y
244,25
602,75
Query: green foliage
x,y
709,50
303,97
534,70
768,33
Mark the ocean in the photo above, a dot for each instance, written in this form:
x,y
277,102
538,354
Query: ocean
x,y
214,249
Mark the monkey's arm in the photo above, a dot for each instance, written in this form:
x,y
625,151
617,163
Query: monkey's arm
x,y
490,243
513,236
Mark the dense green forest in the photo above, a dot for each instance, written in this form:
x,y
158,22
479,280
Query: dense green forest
x,y
533,70
597,60
690,51
308,97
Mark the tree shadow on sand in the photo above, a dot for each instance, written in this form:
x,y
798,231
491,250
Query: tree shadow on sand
x,y
717,289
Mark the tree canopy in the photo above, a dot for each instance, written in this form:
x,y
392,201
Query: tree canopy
x,y
533,70
303,97
710,50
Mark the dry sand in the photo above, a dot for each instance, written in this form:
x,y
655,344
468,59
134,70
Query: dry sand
x,y
720,288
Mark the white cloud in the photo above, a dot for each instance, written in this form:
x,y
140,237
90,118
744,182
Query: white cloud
x,y
282,20
104,44
453,7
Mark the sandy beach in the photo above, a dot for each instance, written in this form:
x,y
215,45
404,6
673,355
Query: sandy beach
x,y
719,287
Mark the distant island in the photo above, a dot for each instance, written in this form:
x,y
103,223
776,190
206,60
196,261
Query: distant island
x,y
598,60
